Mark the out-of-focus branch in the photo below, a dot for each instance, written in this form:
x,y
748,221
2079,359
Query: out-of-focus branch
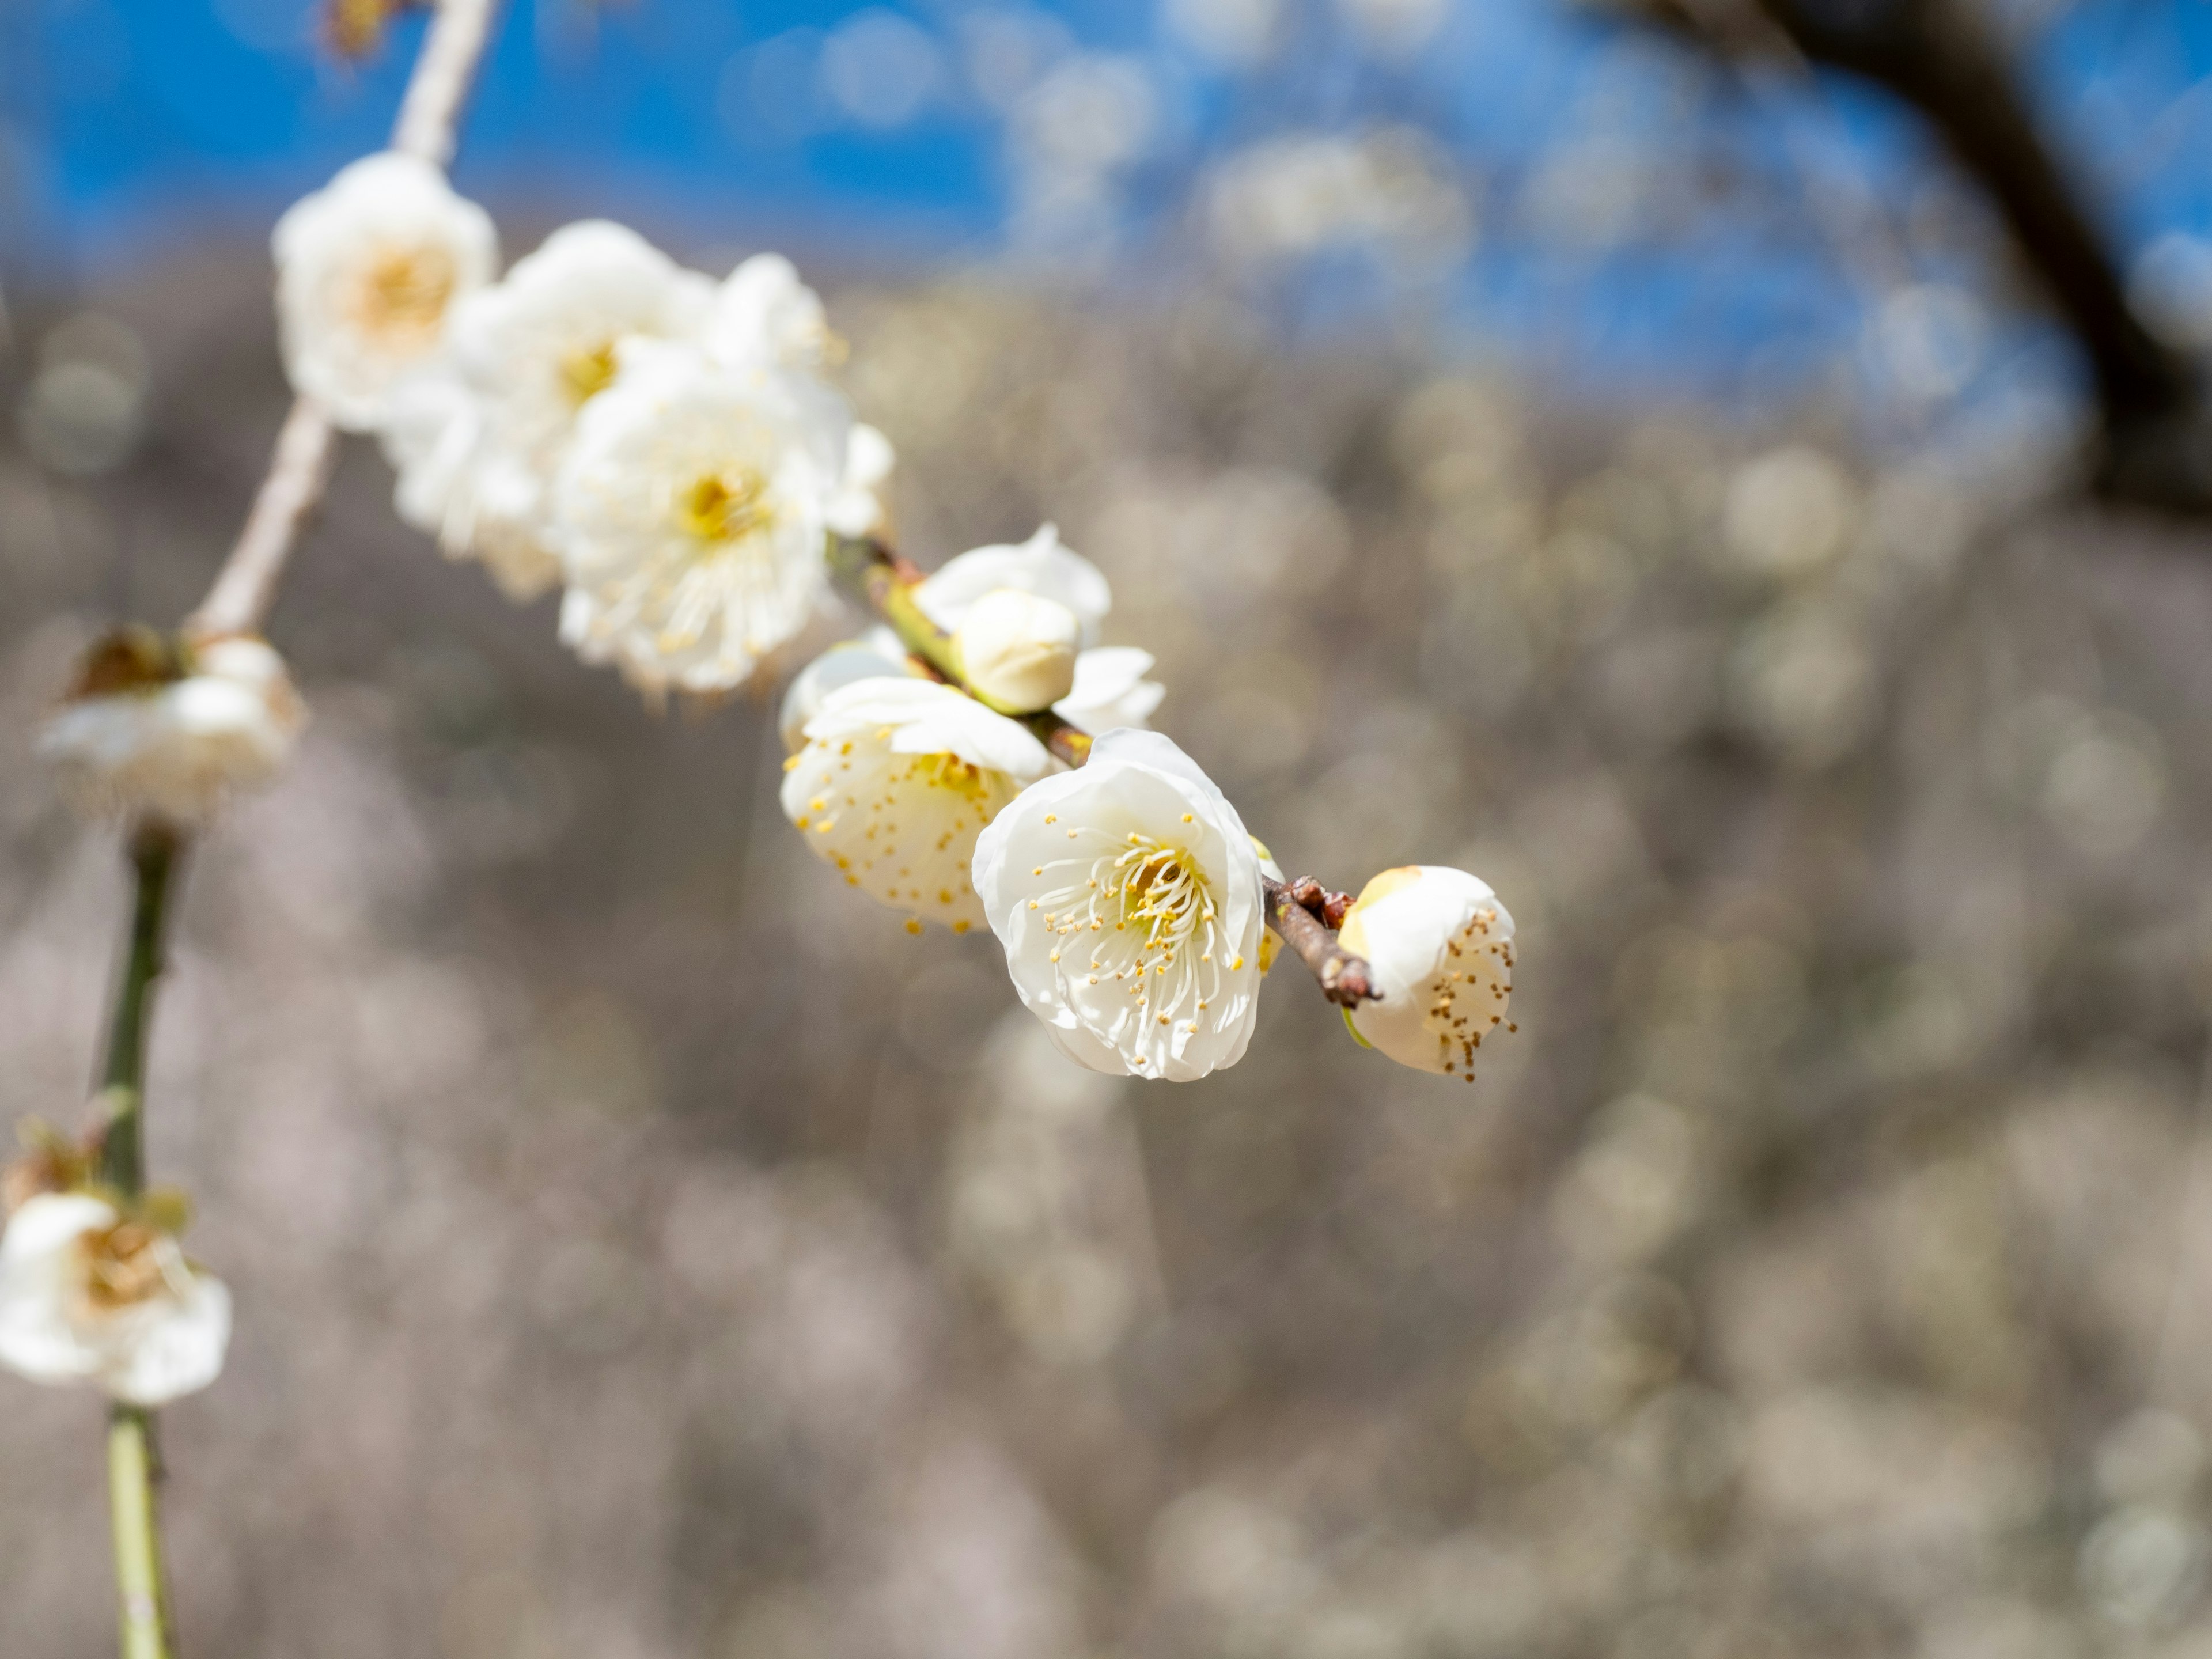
x,y
298,470
1940,58
243,591
885,582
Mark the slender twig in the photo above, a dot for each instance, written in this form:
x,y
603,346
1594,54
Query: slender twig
x,y
238,602
885,582
300,470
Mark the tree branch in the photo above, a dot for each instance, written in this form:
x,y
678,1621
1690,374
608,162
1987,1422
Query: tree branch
x,y
1940,57
885,582
298,471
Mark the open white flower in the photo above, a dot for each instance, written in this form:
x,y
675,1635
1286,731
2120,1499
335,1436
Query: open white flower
x,y
368,270
1017,651
174,729
1110,689
1127,895
691,515
875,655
1040,565
87,1296
1441,947
897,779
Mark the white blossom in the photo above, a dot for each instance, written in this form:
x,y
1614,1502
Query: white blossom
x,y
1040,565
1127,895
480,499
1017,651
477,449
692,514
875,654
764,316
87,1296
1441,947
897,779
369,269
1110,689
173,729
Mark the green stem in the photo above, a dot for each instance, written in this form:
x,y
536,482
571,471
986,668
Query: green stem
x,y
133,1476
153,850
133,1461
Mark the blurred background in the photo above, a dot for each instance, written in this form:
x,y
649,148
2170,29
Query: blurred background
x,y
1733,473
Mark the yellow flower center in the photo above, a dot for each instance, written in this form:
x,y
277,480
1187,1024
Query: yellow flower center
x,y
403,294
586,373
122,1265
725,507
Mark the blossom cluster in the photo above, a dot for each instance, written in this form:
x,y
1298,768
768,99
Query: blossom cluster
x,y
661,447
668,452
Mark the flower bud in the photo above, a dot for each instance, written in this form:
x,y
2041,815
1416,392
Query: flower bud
x,y
162,726
1018,650
1440,946
90,1294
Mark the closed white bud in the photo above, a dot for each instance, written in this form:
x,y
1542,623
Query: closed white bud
x,y
1441,949
90,1296
1018,650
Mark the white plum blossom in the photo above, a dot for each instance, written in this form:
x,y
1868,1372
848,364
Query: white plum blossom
x,y
875,655
764,316
1441,949
897,779
88,1296
1127,895
480,499
1110,689
369,269
475,454
1040,565
172,729
1017,651
692,514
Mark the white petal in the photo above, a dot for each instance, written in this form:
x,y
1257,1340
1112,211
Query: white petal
x,y
1040,566
170,1346
38,1283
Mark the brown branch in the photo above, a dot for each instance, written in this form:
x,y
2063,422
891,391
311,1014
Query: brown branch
x,y
885,582
1940,57
1345,979
300,470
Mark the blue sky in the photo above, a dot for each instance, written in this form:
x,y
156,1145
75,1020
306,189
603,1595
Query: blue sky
x,y
1624,211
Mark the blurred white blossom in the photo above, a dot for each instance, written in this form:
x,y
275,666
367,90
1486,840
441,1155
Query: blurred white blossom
x,y
368,270
1291,198
1441,947
1127,895
152,726
88,1296
476,452
897,779
691,515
